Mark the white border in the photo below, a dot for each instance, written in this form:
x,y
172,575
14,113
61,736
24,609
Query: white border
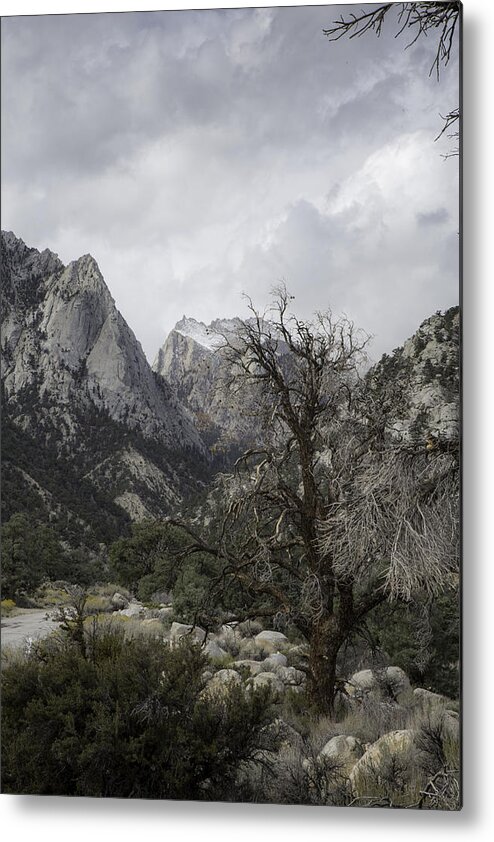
x,y
77,820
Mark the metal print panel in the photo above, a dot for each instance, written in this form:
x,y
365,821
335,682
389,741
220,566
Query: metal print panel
x,y
230,405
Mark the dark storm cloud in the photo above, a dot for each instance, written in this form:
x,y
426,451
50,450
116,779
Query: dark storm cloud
x,y
200,154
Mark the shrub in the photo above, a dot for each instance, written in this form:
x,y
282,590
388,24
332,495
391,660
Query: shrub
x,y
126,720
7,606
97,605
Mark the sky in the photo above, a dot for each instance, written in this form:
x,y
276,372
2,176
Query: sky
x,y
200,155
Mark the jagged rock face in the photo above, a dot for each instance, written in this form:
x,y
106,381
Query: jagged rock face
x,y
435,388
193,360
63,335
419,381
76,380
422,380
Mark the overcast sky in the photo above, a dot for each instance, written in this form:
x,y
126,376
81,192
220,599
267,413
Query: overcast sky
x,y
199,155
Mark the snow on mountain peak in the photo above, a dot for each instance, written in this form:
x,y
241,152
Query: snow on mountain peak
x,y
208,336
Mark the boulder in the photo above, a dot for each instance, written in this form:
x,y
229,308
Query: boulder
x,y
383,682
269,679
134,609
214,650
165,612
451,724
395,747
250,648
283,735
290,676
271,636
270,641
221,683
274,660
342,751
179,630
254,667
429,700
248,628
226,676
152,623
119,602
230,630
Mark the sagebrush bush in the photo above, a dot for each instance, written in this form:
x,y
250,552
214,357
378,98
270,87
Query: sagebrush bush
x,y
123,717
6,607
96,604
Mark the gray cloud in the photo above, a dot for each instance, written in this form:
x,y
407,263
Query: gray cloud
x,y
435,217
197,155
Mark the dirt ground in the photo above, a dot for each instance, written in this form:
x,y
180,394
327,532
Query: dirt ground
x,y
27,623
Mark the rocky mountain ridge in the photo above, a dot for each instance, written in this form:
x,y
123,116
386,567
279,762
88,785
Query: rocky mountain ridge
x,y
418,382
77,385
194,359
62,334
85,418
421,380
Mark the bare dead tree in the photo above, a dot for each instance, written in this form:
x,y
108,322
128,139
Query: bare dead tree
x,y
320,523
449,120
398,521
441,20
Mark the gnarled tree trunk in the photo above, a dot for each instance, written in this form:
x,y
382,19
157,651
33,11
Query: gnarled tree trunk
x,y
325,643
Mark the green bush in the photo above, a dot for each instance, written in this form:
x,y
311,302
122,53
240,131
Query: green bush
x,y
7,606
423,639
96,604
125,720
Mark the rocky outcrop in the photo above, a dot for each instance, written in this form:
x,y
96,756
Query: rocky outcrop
x,y
418,384
387,682
63,336
76,385
195,360
342,752
393,748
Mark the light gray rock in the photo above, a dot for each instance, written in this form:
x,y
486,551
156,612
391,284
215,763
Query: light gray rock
x,y
451,724
227,676
191,360
269,679
179,630
270,641
395,746
153,623
382,682
251,649
119,602
249,628
229,633
221,684
342,750
165,612
283,735
134,609
254,667
290,676
213,650
429,700
428,364
274,660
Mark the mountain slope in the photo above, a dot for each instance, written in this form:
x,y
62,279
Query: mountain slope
x,y
194,361
77,385
418,382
